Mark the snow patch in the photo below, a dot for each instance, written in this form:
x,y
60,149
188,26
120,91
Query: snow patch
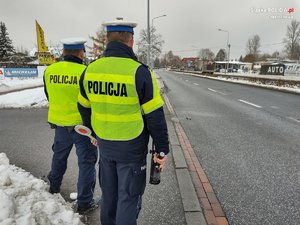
x,y
25,200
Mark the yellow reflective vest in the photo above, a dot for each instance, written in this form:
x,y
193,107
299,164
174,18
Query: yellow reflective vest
x,y
109,84
62,84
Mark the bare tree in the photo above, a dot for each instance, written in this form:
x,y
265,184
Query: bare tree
x,y
206,54
292,40
171,60
99,42
253,46
155,48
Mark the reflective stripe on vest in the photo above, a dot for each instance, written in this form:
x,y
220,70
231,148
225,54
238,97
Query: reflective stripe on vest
x,y
156,102
110,87
62,84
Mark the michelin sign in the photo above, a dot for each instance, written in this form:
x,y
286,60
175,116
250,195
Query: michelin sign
x,y
19,72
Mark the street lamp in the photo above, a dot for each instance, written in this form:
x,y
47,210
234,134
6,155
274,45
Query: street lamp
x,y
148,32
228,45
151,61
157,18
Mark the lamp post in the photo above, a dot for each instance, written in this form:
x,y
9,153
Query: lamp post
x,y
156,18
151,61
148,32
228,45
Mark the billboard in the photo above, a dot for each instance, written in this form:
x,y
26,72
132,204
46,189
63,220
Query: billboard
x,y
277,69
1,73
20,72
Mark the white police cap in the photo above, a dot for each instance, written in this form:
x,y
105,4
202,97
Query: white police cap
x,y
119,26
73,43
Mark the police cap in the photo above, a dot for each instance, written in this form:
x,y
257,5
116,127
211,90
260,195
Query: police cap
x,y
119,26
73,43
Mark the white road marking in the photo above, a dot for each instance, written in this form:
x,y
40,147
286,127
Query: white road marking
x,y
216,91
274,107
249,103
291,118
195,83
222,93
212,90
186,80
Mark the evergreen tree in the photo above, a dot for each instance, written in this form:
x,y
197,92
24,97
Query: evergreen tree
x,y
221,55
6,47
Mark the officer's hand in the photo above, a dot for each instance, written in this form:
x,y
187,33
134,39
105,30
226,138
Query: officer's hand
x,y
160,161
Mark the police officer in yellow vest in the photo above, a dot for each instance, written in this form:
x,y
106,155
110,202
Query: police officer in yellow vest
x,y
120,100
61,85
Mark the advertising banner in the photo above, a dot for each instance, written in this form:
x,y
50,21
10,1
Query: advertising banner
x,y
45,58
42,47
277,69
1,73
20,72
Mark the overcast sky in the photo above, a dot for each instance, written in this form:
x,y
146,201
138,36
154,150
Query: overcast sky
x,y
189,25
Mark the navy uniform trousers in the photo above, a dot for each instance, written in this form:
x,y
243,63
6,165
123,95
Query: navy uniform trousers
x,y
87,157
122,185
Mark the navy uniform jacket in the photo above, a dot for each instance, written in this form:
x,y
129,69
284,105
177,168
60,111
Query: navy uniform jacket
x,y
154,122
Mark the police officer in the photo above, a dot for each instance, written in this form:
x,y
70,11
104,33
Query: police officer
x,y
120,100
61,85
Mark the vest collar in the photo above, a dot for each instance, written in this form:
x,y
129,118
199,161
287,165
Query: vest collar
x,y
72,58
118,49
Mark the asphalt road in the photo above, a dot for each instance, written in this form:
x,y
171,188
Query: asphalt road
x,y
248,141
26,138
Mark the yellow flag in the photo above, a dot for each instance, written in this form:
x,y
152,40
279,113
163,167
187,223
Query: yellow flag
x,y
42,47
44,56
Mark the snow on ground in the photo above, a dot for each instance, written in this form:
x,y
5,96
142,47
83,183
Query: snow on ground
x,y
32,98
288,88
13,83
24,200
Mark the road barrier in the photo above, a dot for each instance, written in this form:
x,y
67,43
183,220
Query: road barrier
x,y
275,80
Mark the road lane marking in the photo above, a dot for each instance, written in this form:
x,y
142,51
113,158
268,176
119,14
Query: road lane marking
x,y
186,80
212,90
195,83
295,120
219,92
249,103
